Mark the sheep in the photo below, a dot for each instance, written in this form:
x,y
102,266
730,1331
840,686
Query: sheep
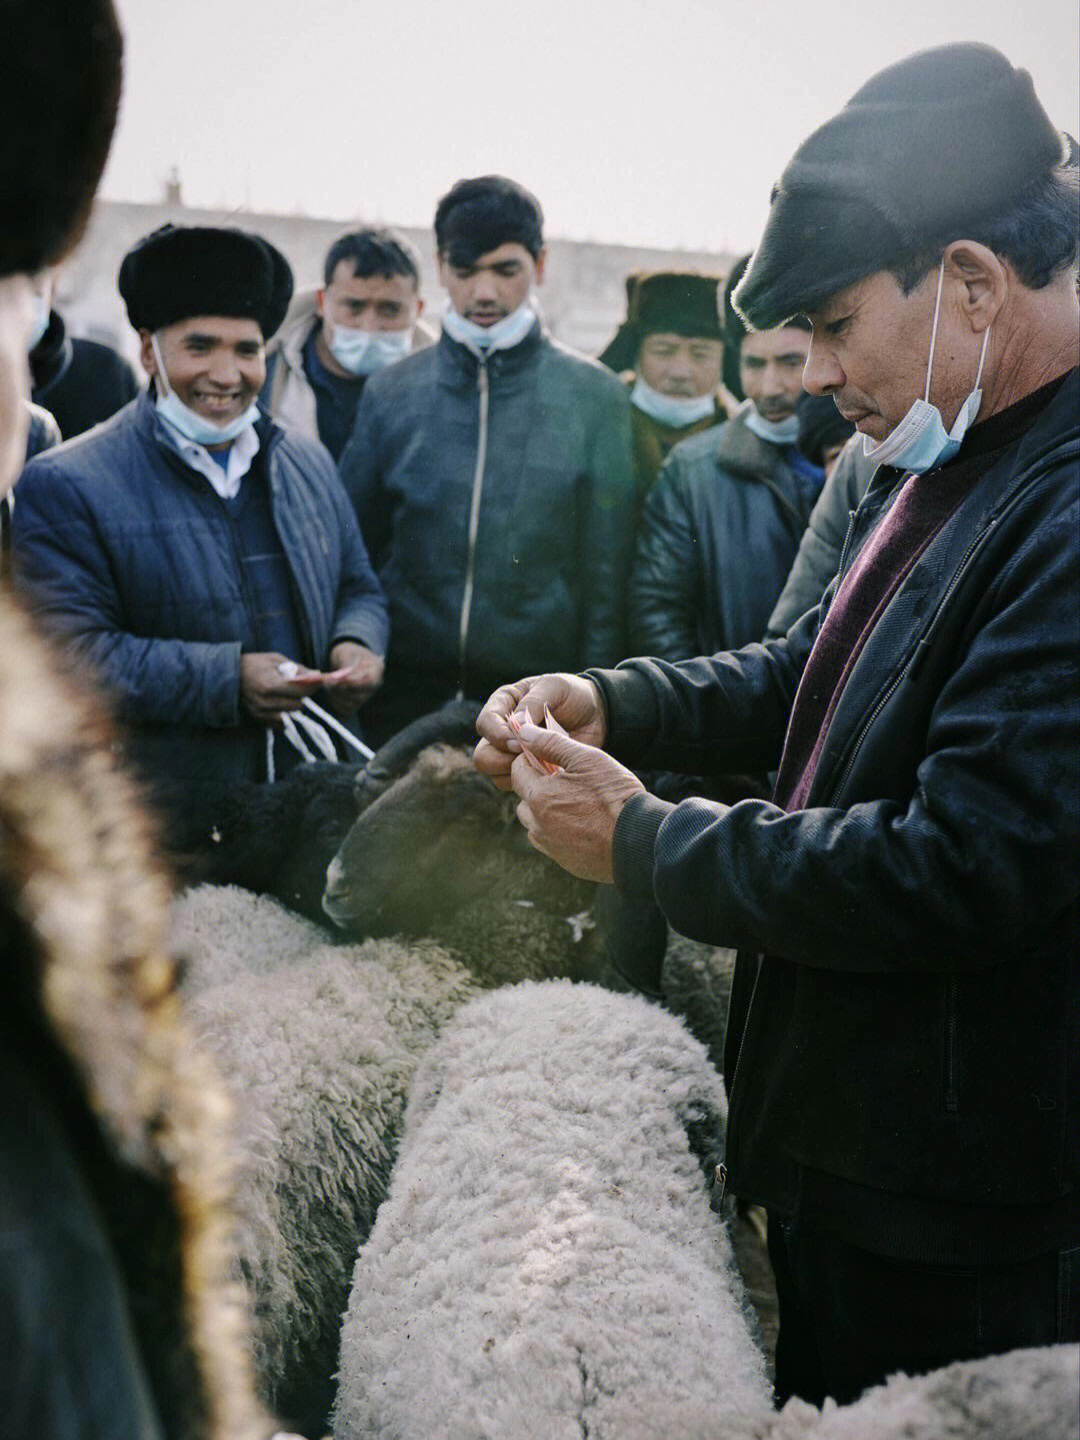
x,y
319,1043
440,854
546,1262
277,839
1031,1394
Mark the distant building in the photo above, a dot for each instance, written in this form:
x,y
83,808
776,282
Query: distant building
x,y
583,298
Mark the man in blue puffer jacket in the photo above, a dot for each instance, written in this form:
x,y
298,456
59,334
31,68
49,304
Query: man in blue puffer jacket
x,y
206,562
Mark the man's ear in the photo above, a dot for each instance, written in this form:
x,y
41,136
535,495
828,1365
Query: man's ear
x,y
984,281
147,358
541,261
320,302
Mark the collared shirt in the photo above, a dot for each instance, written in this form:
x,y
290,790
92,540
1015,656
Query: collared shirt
x,y
224,478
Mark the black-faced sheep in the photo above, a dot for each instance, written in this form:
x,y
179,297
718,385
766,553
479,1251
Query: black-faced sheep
x,y
546,1262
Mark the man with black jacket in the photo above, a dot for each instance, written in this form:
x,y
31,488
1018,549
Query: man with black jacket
x,y
492,476
722,524
902,1064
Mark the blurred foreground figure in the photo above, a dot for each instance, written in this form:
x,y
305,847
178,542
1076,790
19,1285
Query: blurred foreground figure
x,y
118,1316
901,1058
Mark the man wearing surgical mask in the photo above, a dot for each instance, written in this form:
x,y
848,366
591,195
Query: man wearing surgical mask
x,y
668,353
723,521
202,558
492,475
365,316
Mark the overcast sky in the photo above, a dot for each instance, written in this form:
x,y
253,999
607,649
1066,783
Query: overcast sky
x,y
650,122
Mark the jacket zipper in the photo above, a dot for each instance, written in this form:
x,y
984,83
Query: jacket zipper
x,y
474,523
720,1176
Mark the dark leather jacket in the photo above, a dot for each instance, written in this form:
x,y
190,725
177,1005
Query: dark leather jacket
x,y
718,534
903,1059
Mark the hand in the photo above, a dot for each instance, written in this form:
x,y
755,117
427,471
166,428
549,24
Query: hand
x,y
267,691
570,816
363,676
573,701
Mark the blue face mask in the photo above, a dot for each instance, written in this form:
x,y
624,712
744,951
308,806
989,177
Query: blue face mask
x,y
775,432
362,352
191,425
920,441
482,339
677,411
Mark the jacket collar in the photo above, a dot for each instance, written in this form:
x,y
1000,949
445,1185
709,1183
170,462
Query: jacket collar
x,y
458,364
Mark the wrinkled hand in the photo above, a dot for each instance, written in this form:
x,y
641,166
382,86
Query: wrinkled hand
x,y
364,674
266,693
573,701
570,816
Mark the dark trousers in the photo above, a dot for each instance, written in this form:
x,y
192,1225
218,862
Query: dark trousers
x,y
849,1319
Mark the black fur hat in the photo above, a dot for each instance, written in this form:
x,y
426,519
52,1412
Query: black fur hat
x,y
684,302
941,138
180,271
62,63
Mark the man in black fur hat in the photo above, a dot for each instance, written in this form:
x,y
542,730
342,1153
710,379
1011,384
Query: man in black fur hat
x,y
902,1065
668,352
206,561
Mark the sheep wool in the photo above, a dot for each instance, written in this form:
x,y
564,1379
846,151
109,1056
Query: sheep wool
x,y
319,1044
546,1263
1023,1395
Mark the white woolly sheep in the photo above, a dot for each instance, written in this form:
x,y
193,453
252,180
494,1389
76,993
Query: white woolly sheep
x,y
319,1046
1023,1395
546,1262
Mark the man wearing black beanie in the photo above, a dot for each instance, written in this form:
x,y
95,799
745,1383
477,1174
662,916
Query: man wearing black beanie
x,y
902,1065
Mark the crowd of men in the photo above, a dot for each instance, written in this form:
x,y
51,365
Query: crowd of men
x,y
513,502
323,513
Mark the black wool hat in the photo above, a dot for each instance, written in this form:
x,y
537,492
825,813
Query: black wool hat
x,y
183,270
938,140
684,302
62,66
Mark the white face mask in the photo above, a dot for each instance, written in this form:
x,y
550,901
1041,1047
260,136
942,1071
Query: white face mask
x,y
775,432
920,441
674,410
188,422
503,335
362,352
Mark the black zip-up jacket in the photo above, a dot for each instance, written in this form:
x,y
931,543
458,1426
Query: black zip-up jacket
x,y
904,1035
718,536
497,503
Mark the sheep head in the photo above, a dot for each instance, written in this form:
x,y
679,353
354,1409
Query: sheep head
x,y
439,853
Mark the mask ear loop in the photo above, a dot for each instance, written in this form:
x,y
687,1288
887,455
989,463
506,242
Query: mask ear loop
x,y
933,330
160,364
982,357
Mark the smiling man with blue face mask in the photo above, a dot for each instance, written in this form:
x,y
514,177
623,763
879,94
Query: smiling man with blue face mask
x,y
205,559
